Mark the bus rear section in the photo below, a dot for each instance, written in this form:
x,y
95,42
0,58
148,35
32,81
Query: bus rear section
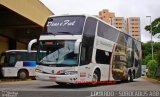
x,y
18,63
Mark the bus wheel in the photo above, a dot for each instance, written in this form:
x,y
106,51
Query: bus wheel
x,y
96,77
130,77
22,74
134,75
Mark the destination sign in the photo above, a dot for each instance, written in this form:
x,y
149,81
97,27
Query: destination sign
x,y
62,23
65,25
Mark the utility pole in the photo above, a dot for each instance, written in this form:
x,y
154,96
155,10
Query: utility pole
x,y
151,34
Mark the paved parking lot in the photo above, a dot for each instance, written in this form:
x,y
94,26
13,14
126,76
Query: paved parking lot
x,y
43,87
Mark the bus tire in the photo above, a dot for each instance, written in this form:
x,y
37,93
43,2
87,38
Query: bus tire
x,y
130,77
96,77
23,74
134,74
125,80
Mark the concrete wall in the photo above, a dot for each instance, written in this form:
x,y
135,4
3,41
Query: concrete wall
x,y
4,43
21,46
34,10
22,16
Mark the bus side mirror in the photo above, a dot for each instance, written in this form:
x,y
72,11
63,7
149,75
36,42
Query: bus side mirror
x,y
77,45
30,44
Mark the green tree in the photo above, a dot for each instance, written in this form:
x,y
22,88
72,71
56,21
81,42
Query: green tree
x,y
155,26
158,63
158,58
147,58
156,46
146,51
152,67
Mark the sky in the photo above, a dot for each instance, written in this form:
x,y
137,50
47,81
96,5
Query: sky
x,y
122,8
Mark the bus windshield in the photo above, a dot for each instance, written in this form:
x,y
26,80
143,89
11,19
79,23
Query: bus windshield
x,y
7,59
57,52
64,25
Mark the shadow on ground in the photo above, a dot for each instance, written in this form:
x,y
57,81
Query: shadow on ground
x,y
77,86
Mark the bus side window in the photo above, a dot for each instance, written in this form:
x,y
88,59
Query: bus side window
x,y
103,57
86,55
83,54
88,40
12,61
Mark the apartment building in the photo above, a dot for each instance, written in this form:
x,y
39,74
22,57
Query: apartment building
x,y
106,15
133,27
119,22
129,25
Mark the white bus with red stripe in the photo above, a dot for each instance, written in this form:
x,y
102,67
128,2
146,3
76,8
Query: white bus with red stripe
x,y
85,49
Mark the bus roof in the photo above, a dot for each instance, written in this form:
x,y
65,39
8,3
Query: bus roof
x,y
93,16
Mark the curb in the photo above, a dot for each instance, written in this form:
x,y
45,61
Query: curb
x,y
13,80
151,80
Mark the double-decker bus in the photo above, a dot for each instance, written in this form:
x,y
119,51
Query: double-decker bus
x,y
85,49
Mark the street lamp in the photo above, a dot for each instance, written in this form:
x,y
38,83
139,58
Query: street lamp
x,y
151,34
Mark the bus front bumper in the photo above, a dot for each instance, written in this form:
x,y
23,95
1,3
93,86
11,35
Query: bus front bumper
x,y
57,78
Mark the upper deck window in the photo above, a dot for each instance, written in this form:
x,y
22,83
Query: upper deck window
x,y
65,25
107,32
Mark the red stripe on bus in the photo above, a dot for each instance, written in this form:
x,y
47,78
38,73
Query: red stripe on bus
x,y
82,74
99,82
52,78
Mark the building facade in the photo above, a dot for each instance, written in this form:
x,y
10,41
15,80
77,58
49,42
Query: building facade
x,y
21,22
106,15
129,25
119,22
133,27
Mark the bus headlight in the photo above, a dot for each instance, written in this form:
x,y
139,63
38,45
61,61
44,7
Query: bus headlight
x,y
71,72
38,70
